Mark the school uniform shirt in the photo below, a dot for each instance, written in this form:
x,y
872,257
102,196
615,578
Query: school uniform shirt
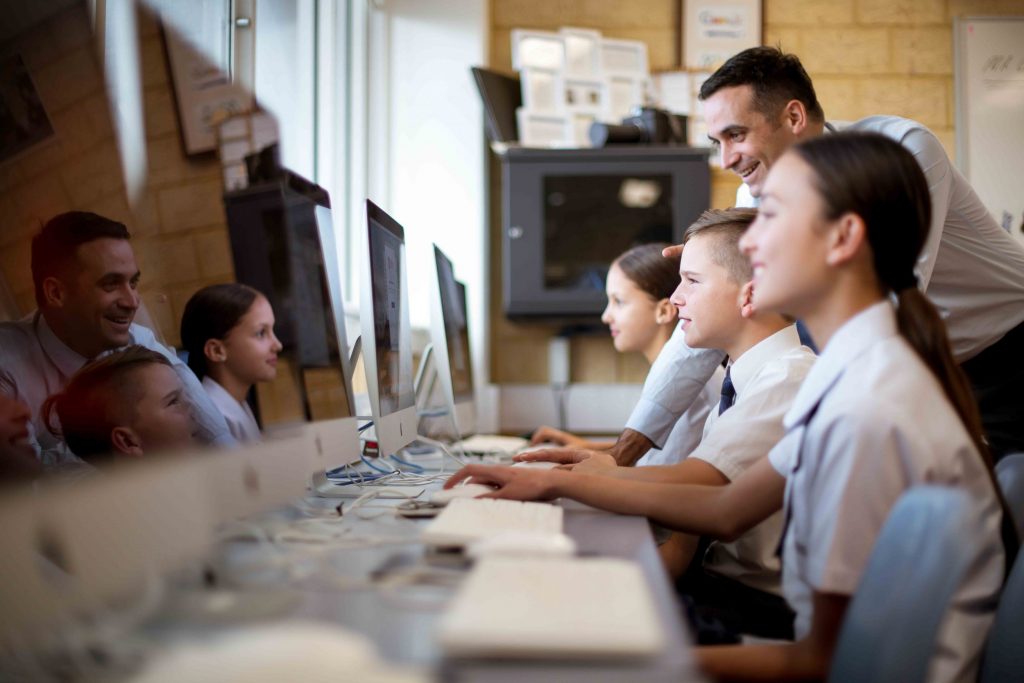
x,y
871,421
35,364
766,379
970,268
688,430
241,422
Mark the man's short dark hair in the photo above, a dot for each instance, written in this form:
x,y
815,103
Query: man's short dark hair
x,y
53,248
775,76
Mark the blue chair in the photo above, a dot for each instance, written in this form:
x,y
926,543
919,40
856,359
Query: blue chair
x,y
1010,473
1004,652
919,560
1004,656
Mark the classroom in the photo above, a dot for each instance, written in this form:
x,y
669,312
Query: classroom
x,y
489,340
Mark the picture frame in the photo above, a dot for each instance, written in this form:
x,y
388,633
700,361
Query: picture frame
x,y
624,58
538,49
712,31
24,122
582,53
543,90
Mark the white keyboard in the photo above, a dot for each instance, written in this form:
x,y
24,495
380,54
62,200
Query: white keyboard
x,y
465,520
553,608
492,443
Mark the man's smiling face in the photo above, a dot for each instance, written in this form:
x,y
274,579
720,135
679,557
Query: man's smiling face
x,y
748,141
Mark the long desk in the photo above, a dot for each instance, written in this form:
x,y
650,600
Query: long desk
x,y
401,620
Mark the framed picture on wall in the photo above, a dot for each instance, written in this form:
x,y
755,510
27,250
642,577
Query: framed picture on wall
x,y
713,31
23,120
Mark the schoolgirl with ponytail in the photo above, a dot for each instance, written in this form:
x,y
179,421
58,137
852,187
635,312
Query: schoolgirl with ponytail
x,y
841,223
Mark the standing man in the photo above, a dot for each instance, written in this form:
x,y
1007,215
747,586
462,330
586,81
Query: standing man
x,y
86,281
758,104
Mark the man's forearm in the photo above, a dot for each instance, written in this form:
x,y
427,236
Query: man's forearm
x,y
631,446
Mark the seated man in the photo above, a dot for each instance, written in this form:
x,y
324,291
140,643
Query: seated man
x,y
739,580
122,405
86,280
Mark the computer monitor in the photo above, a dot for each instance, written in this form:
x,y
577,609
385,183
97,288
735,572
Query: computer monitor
x,y
283,244
449,336
387,338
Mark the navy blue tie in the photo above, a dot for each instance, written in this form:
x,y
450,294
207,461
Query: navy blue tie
x,y
728,393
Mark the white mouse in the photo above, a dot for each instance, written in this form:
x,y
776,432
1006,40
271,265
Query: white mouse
x,y
523,544
444,496
538,464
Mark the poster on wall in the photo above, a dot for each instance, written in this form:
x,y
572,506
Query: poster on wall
x,y
989,86
714,30
23,120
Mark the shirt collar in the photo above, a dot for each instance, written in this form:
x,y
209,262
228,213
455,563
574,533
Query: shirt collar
x,y
872,325
67,361
744,368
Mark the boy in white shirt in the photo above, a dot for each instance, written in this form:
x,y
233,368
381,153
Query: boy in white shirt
x,y
740,580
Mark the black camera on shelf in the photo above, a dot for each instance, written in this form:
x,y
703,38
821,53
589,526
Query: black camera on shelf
x,y
651,126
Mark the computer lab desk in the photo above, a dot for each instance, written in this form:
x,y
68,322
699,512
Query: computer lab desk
x,y
402,622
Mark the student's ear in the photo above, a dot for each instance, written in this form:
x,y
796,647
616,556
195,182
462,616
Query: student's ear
x,y
215,351
54,293
126,441
746,300
847,235
665,312
794,117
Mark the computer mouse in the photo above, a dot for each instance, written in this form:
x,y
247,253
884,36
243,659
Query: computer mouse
x,y
522,544
538,464
444,496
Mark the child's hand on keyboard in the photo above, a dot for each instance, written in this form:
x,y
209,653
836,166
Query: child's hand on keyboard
x,y
568,458
516,483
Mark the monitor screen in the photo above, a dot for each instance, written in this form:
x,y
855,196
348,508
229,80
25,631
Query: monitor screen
x,y
282,245
456,328
387,271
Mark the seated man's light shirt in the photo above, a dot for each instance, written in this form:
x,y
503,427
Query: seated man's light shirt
x,y
870,422
766,378
677,377
241,422
688,430
35,364
970,268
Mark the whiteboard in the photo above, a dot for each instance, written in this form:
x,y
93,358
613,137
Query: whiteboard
x,y
989,76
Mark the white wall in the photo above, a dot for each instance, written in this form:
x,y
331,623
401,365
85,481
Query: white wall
x,y
434,150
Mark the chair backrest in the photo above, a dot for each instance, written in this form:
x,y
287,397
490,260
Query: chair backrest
x,y
1010,473
1004,654
919,560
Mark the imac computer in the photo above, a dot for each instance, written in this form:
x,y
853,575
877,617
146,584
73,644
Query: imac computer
x,y
387,337
283,244
449,337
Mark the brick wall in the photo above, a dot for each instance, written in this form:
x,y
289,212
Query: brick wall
x,y
865,56
178,228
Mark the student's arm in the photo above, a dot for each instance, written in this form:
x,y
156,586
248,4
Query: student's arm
x,y
723,512
547,434
807,659
675,380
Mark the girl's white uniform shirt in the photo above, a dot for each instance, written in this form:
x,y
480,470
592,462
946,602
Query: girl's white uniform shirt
x,y
241,421
871,421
